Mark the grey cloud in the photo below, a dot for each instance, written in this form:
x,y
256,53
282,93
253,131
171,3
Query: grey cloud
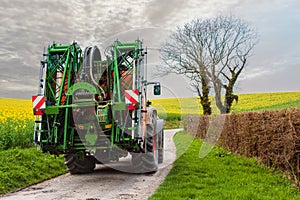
x,y
161,11
26,27
29,26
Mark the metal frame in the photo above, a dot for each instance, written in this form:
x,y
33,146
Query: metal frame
x,y
55,131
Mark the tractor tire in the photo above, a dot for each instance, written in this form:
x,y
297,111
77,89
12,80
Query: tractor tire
x,y
150,158
137,162
161,147
146,162
77,165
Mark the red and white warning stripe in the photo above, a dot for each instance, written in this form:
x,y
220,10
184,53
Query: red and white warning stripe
x,y
131,96
38,103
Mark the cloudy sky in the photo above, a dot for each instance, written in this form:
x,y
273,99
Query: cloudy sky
x,y
26,27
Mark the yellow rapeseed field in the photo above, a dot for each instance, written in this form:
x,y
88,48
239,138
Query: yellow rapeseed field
x,y
177,105
16,123
267,101
247,102
18,110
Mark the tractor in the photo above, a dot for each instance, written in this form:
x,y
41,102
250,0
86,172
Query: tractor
x,y
95,111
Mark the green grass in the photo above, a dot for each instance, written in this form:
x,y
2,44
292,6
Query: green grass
x,y
23,167
220,175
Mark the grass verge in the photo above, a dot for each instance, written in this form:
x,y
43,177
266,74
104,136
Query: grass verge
x,y
23,167
172,124
220,175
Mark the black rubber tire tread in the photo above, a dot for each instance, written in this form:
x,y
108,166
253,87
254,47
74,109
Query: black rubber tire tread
x,y
149,164
137,162
161,150
75,165
148,160
144,162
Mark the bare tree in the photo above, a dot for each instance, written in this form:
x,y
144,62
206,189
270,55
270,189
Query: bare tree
x,y
183,54
212,53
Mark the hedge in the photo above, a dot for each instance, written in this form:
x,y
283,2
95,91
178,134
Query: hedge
x,y
273,137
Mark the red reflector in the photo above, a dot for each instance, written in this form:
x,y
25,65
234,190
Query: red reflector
x,y
132,106
38,112
80,127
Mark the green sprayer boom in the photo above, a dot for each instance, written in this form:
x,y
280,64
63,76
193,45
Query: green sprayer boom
x,y
95,111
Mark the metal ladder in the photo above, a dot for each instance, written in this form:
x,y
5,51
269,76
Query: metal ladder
x,y
41,92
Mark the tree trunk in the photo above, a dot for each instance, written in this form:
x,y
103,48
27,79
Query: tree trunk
x,y
204,98
229,96
218,89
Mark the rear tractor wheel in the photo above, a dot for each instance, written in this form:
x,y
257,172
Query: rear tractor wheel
x,y
147,162
77,164
150,158
161,147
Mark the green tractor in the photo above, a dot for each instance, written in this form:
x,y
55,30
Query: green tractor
x,y
96,111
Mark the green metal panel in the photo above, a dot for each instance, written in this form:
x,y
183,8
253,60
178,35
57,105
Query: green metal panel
x,y
119,106
82,86
91,138
52,110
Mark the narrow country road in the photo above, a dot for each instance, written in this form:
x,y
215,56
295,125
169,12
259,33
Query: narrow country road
x,y
104,183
